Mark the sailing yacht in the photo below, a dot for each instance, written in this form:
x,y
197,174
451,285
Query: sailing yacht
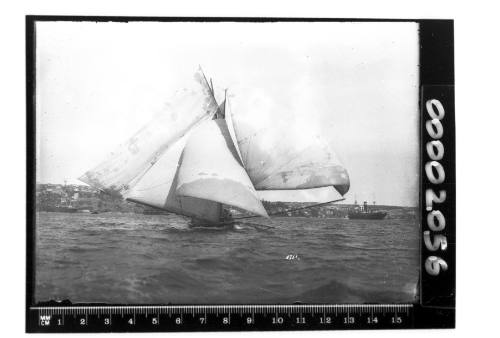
x,y
197,156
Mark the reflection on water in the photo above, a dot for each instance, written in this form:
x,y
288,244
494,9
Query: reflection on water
x,y
132,258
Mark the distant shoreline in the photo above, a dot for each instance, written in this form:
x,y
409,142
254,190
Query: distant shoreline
x,y
86,187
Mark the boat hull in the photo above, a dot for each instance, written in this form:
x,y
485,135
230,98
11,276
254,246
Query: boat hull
x,y
367,215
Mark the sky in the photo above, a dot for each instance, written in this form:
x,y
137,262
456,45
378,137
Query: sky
x,y
354,83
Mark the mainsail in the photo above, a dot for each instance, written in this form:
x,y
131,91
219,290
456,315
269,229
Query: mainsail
x,y
211,170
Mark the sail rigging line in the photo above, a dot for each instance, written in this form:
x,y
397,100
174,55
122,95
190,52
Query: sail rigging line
x,y
292,210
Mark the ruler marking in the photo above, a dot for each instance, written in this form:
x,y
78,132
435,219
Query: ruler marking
x,y
401,312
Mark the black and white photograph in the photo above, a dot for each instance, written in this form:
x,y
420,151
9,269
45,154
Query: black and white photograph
x,y
236,162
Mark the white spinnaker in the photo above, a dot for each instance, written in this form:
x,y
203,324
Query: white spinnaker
x,y
210,169
278,154
157,188
125,166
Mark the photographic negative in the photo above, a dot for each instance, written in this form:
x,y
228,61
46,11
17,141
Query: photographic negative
x,y
211,174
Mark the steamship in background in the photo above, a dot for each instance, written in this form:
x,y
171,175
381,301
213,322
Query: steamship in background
x,y
364,212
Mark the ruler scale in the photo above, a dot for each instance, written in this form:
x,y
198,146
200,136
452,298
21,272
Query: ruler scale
x,y
220,317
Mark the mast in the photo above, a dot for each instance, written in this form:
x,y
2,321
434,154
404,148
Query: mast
x,y
225,97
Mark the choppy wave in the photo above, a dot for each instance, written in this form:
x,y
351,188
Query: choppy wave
x,y
129,258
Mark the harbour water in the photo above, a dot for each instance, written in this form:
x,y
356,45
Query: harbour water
x,y
159,259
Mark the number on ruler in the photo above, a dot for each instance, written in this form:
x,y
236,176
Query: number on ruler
x,y
277,320
396,320
326,320
349,320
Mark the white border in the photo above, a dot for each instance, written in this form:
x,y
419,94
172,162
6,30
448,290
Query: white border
x,y
477,58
